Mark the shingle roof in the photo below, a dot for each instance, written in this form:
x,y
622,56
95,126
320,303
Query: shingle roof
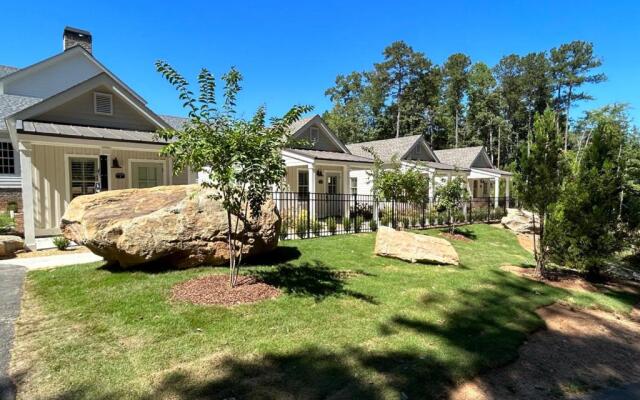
x,y
88,132
386,148
495,171
435,165
330,155
174,122
6,70
299,124
461,157
11,104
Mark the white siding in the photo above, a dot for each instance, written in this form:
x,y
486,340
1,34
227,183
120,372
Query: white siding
x,y
364,181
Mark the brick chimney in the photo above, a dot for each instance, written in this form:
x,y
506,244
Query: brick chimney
x,y
76,37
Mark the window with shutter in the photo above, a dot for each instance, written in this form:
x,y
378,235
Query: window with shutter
x,y
103,103
83,175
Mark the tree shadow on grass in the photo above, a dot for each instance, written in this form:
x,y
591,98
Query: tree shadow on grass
x,y
310,279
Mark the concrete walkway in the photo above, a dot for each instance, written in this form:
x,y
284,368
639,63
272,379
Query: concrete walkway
x,y
32,263
11,279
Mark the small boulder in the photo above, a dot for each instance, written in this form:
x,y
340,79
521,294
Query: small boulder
x,y
180,226
519,221
414,248
10,244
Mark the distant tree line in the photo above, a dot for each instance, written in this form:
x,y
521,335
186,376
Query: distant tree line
x,y
461,103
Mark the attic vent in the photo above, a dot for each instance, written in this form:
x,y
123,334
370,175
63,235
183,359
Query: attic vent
x,y
315,132
103,103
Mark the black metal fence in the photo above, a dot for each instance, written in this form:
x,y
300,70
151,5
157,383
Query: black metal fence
x,y
306,215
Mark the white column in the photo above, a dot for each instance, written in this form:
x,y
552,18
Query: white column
x,y
346,181
506,190
496,191
465,209
27,195
312,191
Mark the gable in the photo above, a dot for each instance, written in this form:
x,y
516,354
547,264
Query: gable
x,y
51,77
315,136
482,161
80,111
419,152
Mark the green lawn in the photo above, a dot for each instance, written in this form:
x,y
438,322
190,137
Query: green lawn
x,y
385,329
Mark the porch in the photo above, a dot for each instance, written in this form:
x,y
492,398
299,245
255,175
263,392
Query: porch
x,y
488,183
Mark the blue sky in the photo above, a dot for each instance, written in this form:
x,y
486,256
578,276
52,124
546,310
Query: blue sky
x,y
290,52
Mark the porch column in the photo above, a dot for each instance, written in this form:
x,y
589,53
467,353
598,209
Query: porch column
x,y
465,209
27,195
506,190
496,191
432,189
346,181
312,191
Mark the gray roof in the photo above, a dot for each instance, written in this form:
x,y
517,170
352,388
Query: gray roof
x,y
461,157
435,165
299,124
174,122
495,171
330,155
11,104
6,70
386,148
88,132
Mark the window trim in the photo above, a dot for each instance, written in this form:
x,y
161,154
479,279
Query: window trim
x,y
353,188
146,161
95,103
67,170
15,160
308,185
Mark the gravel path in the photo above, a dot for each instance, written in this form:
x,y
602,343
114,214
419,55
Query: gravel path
x,y
11,279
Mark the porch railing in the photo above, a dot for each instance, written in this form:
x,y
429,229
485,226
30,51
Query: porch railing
x,y
306,215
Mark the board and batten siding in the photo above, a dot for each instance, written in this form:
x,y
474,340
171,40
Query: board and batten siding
x,y
50,189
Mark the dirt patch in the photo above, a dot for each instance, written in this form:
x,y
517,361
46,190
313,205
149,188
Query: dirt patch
x,y
51,252
215,290
563,282
526,241
455,236
579,352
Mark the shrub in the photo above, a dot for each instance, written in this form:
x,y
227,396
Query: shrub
x,y
373,225
302,226
284,230
61,242
7,223
386,217
346,224
364,210
316,227
332,225
357,226
406,222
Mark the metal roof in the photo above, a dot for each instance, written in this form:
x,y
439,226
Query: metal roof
x,y
330,155
87,132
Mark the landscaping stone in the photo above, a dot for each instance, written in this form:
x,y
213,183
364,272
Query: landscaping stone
x,y
519,221
178,226
414,248
9,244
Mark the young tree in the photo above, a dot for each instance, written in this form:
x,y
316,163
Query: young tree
x,y
539,178
450,197
242,158
395,182
572,66
590,222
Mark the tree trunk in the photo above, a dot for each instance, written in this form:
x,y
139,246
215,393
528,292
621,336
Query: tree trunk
x,y
491,144
499,128
529,136
566,125
456,127
398,120
231,246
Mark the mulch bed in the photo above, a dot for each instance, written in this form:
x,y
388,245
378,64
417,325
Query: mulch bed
x,y
455,236
215,290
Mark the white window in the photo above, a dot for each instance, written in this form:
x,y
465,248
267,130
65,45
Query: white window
x,y
332,184
354,185
83,175
303,184
147,174
103,103
7,158
314,133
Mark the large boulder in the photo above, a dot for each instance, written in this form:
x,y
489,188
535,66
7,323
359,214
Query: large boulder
x,y
180,226
9,244
519,221
414,248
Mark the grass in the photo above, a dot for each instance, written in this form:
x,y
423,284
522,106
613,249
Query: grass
x,y
349,325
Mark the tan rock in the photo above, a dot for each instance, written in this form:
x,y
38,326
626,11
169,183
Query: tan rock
x,y
182,226
519,221
414,248
9,244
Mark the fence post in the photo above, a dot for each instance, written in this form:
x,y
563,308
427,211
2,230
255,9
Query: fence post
x,y
309,214
471,210
393,213
488,209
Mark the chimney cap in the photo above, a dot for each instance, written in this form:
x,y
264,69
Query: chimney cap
x,y
76,31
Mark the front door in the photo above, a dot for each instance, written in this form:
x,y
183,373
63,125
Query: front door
x,y
333,207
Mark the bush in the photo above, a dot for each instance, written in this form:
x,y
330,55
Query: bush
x,y
316,227
373,225
7,224
364,210
61,242
357,226
284,230
406,222
332,225
302,226
386,217
346,224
